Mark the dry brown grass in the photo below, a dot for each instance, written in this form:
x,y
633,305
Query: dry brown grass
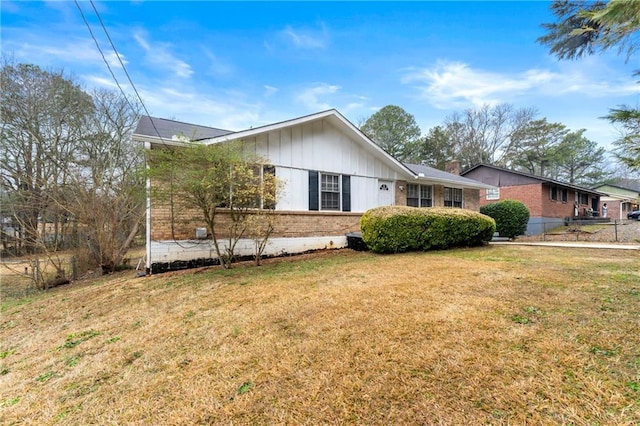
x,y
499,335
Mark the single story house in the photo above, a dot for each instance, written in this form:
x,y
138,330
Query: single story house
x,y
550,202
332,173
621,199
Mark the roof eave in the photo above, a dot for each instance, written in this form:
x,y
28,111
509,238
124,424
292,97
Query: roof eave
x,y
455,183
332,113
154,140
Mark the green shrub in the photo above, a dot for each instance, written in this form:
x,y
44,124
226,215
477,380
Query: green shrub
x,y
511,217
395,229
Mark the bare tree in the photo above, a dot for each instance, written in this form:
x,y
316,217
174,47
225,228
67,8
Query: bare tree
x,y
67,164
485,135
43,115
105,193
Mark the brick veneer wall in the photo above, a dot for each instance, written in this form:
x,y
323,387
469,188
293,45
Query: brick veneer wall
x,y
471,199
401,194
530,195
556,208
613,210
438,196
537,198
288,223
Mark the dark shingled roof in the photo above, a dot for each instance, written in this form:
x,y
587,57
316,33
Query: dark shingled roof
x,y
536,177
430,172
630,184
170,128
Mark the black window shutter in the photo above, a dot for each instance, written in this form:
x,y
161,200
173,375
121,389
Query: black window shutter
x,y
313,190
346,193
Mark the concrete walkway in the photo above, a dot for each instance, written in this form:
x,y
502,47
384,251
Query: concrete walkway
x,y
577,244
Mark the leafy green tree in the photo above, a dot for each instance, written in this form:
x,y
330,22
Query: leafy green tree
x,y
435,148
628,146
587,28
395,130
579,160
220,181
535,150
576,33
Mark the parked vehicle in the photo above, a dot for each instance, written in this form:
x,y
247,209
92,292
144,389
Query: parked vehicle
x,y
634,215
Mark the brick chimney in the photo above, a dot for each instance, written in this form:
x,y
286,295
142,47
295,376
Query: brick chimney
x,y
453,167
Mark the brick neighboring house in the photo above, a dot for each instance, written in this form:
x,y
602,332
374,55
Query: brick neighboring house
x,y
332,173
549,201
622,198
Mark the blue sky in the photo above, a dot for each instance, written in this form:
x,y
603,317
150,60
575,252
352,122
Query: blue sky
x,y
243,64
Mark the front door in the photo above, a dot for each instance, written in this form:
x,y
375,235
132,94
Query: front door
x,y
385,193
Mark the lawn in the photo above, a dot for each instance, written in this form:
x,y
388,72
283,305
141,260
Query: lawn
x,y
498,335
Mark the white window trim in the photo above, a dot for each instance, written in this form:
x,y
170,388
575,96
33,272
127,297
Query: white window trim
x,y
320,191
420,186
453,200
493,194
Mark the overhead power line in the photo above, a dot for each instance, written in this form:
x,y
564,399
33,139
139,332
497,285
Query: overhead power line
x,y
115,51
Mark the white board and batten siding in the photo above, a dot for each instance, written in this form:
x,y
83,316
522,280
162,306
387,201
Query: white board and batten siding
x,y
296,150
322,147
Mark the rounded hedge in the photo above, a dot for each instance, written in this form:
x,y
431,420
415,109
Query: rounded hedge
x,y
395,229
511,217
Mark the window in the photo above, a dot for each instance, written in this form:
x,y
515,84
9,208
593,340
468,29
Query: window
x,y
493,194
583,198
419,195
243,191
329,192
269,187
559,194
452,197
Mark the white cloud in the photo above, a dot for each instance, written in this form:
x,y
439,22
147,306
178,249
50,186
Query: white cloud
x,y
77,51
307,38
216,65
193,106
159,54
103,82
456,84
141,41
269,90
311,97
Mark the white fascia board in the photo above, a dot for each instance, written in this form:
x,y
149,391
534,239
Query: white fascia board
x,y
331,114
616,197
268,128
154,140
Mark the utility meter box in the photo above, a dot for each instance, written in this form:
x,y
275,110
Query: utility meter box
x,y
201,233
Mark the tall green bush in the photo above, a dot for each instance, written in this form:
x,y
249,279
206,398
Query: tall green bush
x,y
511,217
395,229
